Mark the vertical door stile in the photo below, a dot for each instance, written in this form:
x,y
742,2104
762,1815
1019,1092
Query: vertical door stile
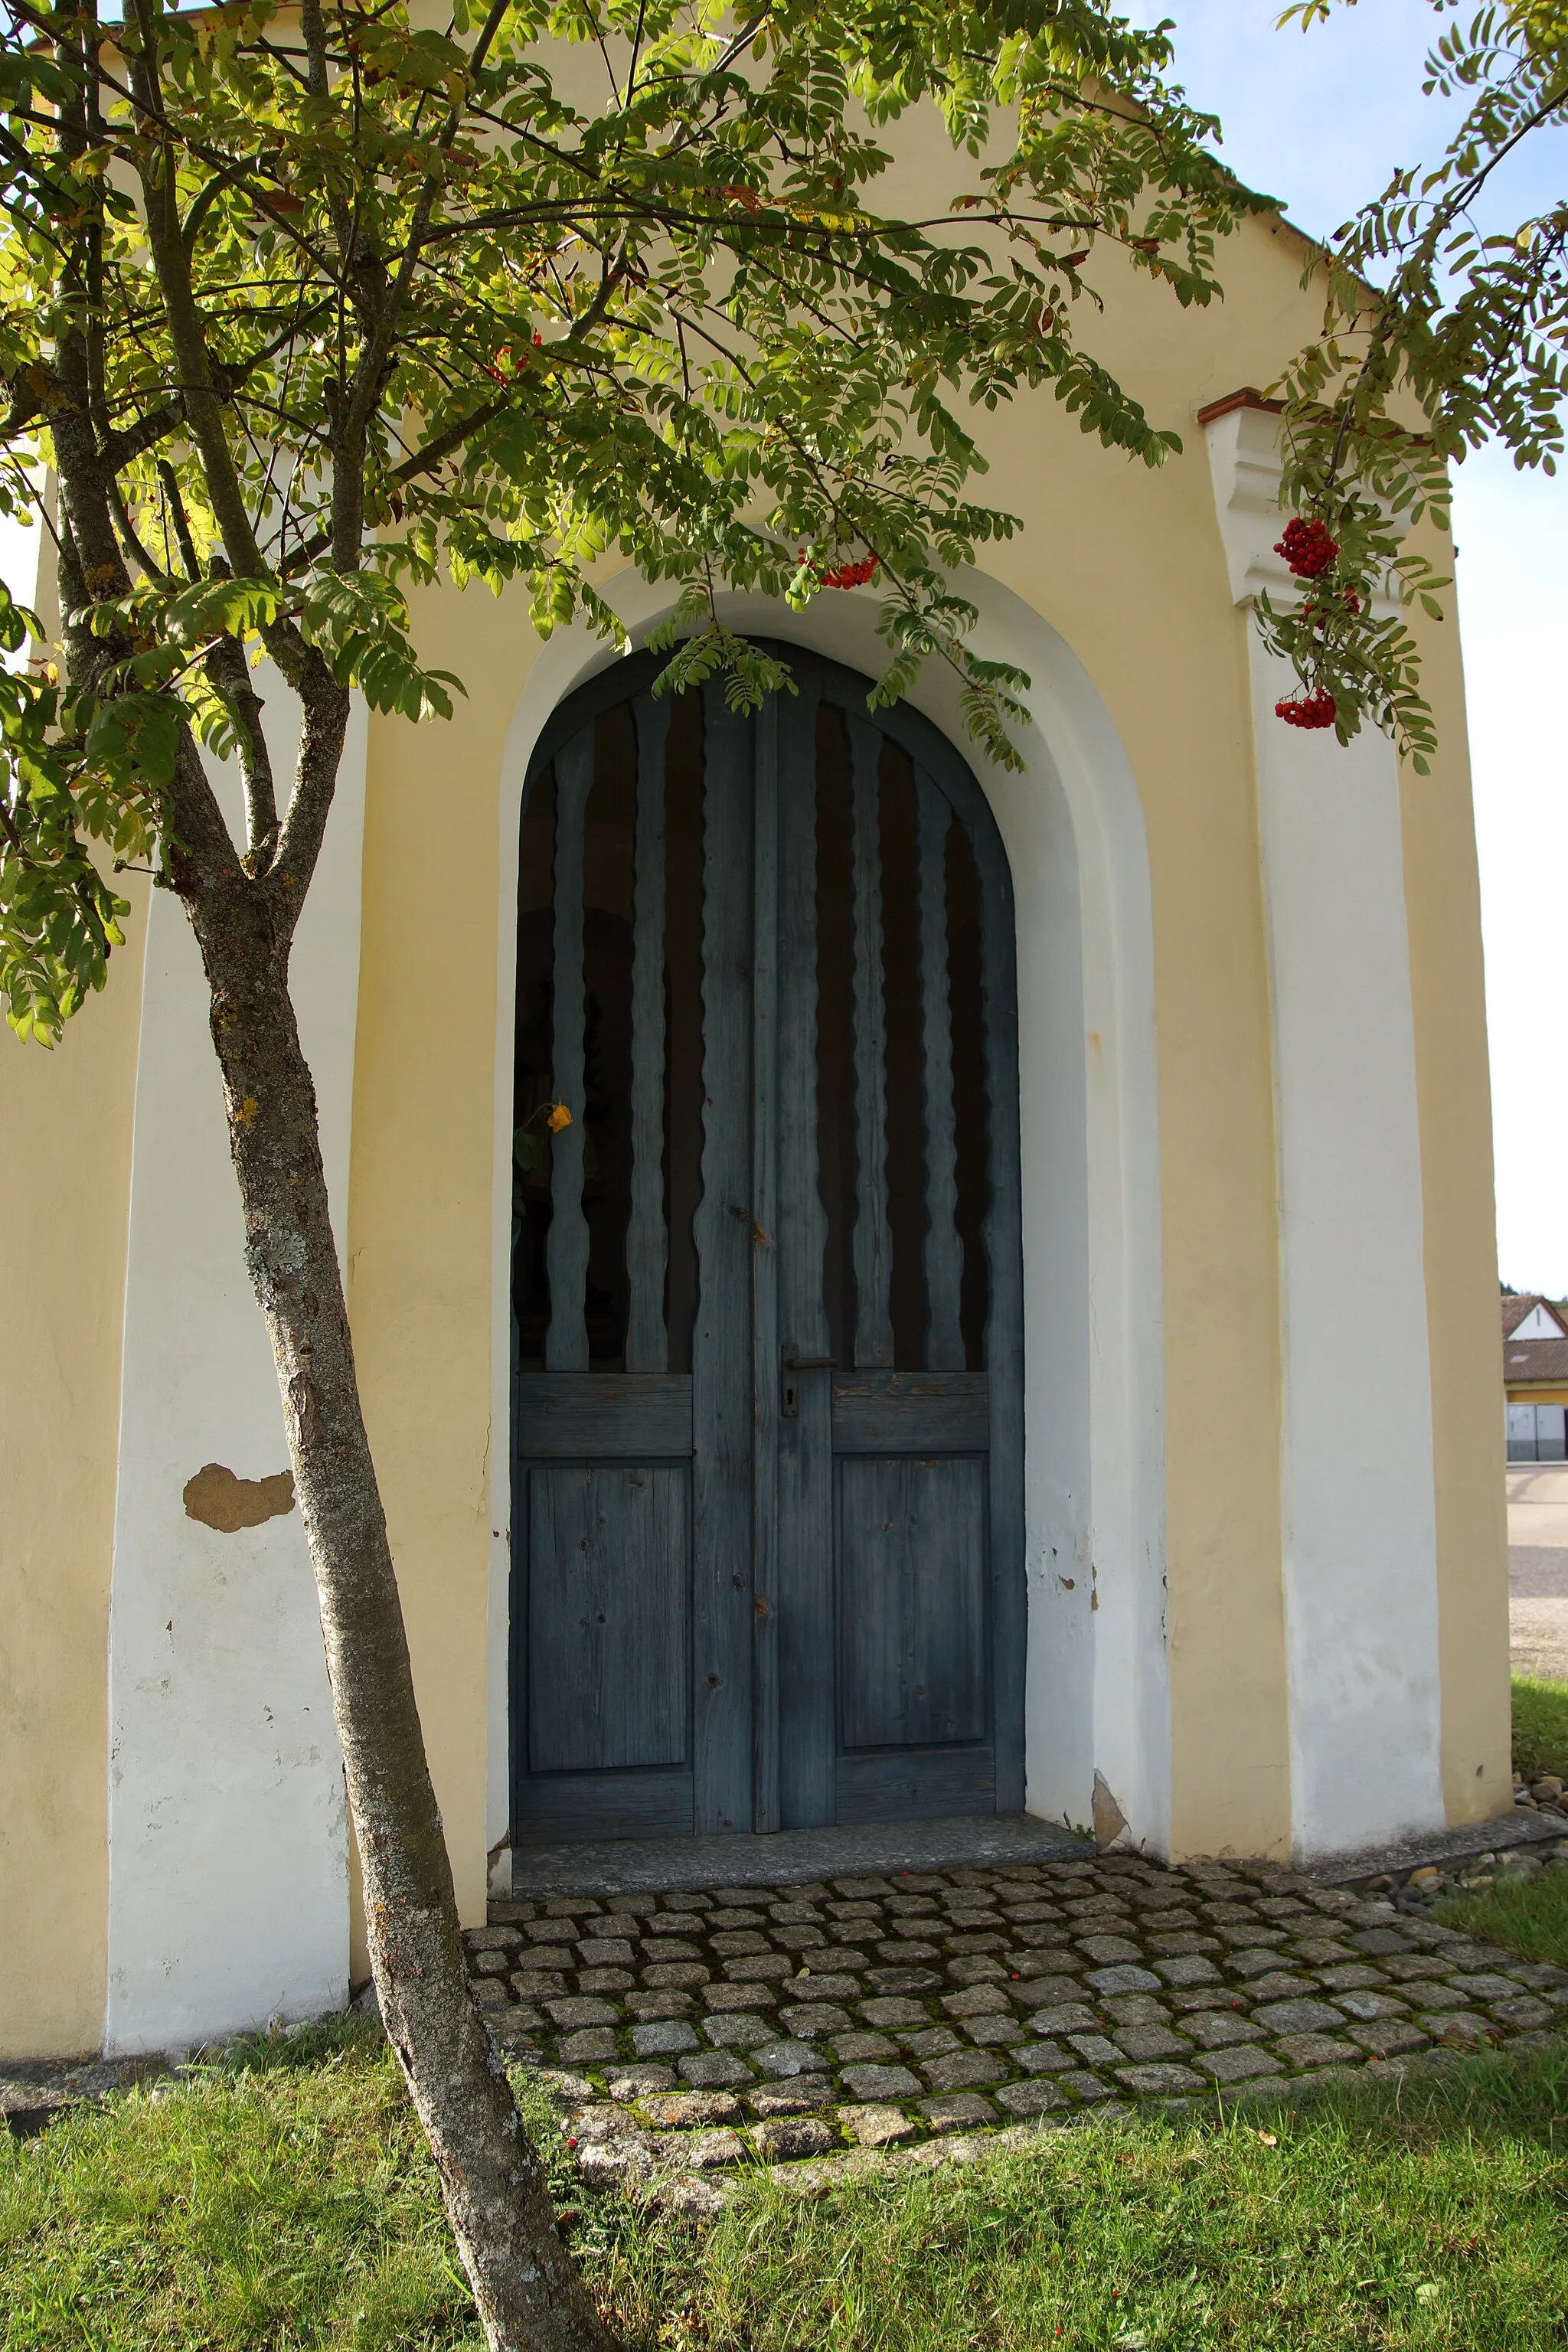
x,y
566,1246
647,1344
765,1272
721,1351
943,1249
1004,1326
807,1736
872,1246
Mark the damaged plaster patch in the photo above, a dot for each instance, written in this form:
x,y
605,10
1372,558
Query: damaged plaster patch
x,y
1107,1815
219,1499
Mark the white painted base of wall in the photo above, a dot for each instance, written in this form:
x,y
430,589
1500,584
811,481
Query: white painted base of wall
x,y
227,1821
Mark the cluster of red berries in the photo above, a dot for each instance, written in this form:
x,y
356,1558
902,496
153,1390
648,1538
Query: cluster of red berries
x,y
844,575
1307,548
510,366
1315,709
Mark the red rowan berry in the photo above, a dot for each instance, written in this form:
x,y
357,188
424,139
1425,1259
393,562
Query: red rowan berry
x,y
1307,548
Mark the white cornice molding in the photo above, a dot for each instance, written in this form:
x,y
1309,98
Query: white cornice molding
x,y
1243,437
1243,460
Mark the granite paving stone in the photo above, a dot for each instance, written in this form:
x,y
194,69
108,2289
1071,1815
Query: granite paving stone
x,y
628,2082
1036,2098
1310,2050
1194,1968
957,2111
964,2071
1136,2009
878,2126
1068,2017
1252,1961
1103,1949
1220,2028
1237,2065
713,2070
1159,2082
1146,2042
787,2058
994,2032
805,2021
1389,2037
1368,2005
892,2012
1045,2058
1461,2027
1296,2016
985,2001
596,2042
797,2099
733,2031
1123,1978
732,1997
1484,1986
850,2048
1095,2048
878,2082
935,2042
886,2013
1522,2012
674,2034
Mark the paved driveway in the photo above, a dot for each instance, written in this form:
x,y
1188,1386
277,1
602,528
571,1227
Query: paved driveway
x,y
1538,1567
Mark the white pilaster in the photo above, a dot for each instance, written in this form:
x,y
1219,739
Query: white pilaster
x,y
227,1825
1359,1517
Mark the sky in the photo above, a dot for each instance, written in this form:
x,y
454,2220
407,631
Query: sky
x,y
1321,120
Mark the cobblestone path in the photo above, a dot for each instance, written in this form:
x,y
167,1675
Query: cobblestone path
x,y
698,2031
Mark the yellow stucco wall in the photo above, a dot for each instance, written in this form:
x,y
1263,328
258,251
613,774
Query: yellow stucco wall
x,y
1129,568
65,1166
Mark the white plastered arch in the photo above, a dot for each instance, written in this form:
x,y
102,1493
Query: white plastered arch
x,y
1098,1692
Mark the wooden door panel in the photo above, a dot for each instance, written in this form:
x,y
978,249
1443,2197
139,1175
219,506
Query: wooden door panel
x,y
564,1416
916,1785
912,1613
767,1429
609,1632
915,1412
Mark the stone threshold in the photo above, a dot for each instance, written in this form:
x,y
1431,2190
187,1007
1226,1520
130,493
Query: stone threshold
x,y
1518,1827
784,1857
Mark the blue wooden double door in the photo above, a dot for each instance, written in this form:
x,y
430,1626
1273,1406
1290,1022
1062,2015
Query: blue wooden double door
x,y
767,1429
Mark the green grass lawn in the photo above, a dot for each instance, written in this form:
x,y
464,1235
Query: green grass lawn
x,y
1539,1727
284,2201
288,2203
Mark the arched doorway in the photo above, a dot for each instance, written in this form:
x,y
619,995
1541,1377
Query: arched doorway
x,y
767,1379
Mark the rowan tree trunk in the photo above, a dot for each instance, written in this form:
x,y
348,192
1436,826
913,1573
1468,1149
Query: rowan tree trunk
x,y
527,2292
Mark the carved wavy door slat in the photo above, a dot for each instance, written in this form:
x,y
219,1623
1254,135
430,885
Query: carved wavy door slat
x,y
566,1249
943,1249
647,1343
872,1248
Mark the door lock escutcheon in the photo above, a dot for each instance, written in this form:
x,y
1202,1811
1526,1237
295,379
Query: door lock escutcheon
x,y
792,1361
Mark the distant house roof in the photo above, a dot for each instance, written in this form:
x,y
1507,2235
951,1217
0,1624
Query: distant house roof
x,y
1531,1307
1531,1362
